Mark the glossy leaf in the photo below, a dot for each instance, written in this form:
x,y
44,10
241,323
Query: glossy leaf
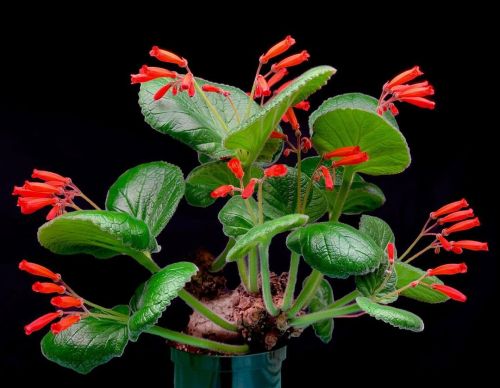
x,y
153,297
335,249
322,298
401,319
408,273
377,229
351,119
263,233
249,139
88,343
235,218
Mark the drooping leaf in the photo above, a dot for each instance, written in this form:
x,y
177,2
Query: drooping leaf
x,y
153,297
88,343
351,119
263,233
401,319
235,218
377,229
249,139
335,249
408,273
322,298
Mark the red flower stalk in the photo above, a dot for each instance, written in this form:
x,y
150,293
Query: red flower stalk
x,y
41,322
449,208
249,188
64,323
162,91
292,60
157,72
277,170
471,245
448,269
305,144
236,168
38,270
343,151
456,216
222,191
278,135
42,187
262,87
167,56
48,288
214,89
277,77
351,160
292,119
461,226
448,246
65,302
30,205
303,105
21,191
405,76
50,176
390,252
421,102
278,49
450,292
328,178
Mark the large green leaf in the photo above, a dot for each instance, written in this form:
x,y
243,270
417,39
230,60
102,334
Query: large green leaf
x,y
100,233
407,274
395,317
377,229
150,192
351,119
322,298
263,233
280,196
249,139
88,343
207,177
153,297
235,218
335,249
379,284
189,119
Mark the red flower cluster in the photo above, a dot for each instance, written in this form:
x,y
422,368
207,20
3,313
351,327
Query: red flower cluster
x,y
398,89
69,300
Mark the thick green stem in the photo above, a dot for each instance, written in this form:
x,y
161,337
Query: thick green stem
x,y
145,259
253,271
308,319
344,300
242,271
307,293
266,280
342,195
220,261
292,281
195,304
211,107
202,343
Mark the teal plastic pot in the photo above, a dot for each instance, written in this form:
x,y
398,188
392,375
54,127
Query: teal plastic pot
x,y
261,370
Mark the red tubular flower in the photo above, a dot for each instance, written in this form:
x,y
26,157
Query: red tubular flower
x,y
405,76
249,188
471,245
287,152
214,89
50,176
351,160
140,78
57,210
449,208
38,270
222,191
278,49
162,91
277,77
48,288
461,226
65,302
292,60
236,168
278,135
328,178
277,170
167,56
303,105
450,292
41,322
414,91
444,243
419,101
42,187
157,72
457,250
292,119
456,216
390,252
343,151
30,205
187,81
64,323
263,87
21,191
305,144
448,269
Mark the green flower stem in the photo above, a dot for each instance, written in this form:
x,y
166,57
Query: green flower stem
x,y
145,259
123,319
253,271
242,271
344,300
266,280
299,174
342,195
259,203
308,291
308,319
410,259
309,187
195,304
104,309
210,106
202,343
220,261
252,92
292,281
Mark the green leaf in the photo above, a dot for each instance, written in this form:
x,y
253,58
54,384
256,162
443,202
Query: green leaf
x,y
408,273
207,177
395,317
335,249
322,298
153,297
377,229
88,343
375,284
351,119
263,233
280,196
249,139
189,120
100,233
150,192
234,216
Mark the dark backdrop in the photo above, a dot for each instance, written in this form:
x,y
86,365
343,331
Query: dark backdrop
x,y
67,106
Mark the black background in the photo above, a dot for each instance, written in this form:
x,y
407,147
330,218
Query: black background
x,y
67,106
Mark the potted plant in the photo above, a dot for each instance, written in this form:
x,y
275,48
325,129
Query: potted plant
x,y
240,335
